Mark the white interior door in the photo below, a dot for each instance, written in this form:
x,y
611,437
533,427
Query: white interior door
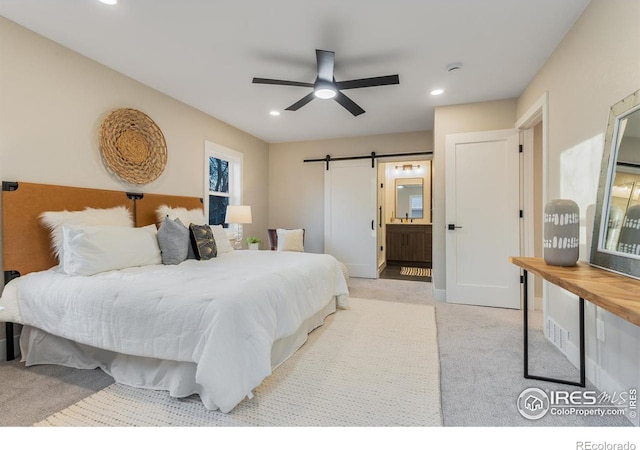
x,y
482,217
350,216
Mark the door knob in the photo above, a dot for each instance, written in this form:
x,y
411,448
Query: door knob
x,y
452,226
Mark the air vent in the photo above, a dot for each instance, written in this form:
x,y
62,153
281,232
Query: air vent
x,y
556,334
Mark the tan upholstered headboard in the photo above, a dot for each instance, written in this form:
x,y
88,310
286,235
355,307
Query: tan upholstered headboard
x,y
26,244
145,213
25,241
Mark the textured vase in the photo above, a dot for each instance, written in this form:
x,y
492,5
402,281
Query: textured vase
x,y
561,232
629,241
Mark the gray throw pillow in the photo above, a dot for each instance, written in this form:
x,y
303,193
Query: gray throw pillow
x,y
174,242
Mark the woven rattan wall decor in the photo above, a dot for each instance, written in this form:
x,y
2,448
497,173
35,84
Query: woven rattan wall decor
x,y
132,146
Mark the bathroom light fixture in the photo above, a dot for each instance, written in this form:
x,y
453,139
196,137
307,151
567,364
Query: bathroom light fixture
x,y
408,167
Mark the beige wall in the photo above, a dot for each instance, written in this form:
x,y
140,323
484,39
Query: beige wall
x,y
466,118
52,102
595,66
296,189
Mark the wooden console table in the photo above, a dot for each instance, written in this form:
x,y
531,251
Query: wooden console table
x,y
618,294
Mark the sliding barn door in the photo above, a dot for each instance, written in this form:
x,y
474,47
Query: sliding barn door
x,y
350,216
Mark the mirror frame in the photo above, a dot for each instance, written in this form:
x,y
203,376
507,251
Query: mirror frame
x,y
607,259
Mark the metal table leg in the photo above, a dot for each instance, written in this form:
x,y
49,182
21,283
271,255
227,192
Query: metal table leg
x,y
9,336
582,382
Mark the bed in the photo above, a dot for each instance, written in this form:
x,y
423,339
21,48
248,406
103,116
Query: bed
x,y
213,327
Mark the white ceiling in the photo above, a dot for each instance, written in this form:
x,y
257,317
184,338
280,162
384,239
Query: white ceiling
x,y
206,52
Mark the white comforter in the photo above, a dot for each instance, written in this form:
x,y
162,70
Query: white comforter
x,y
223,314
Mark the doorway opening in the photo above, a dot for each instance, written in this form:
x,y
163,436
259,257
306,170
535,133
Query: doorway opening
x,y
404,220
533,126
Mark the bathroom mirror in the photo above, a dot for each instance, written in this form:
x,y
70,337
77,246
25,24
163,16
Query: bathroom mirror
x,y
409,198
616,231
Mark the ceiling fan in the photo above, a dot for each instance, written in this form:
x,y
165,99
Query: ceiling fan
x,y
326,86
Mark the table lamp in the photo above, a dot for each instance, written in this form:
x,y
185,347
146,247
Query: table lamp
x,y
238,214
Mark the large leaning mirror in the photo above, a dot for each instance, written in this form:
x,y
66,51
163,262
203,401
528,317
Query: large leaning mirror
x,y
409,198
616,232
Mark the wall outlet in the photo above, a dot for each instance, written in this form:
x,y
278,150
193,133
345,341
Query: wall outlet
x,y
600,329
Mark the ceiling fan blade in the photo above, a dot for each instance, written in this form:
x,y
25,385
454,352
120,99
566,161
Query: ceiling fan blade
x,y
349,104
281,82
326,61
368,82
300,103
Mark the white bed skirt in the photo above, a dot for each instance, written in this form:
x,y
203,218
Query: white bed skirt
x,y
176,377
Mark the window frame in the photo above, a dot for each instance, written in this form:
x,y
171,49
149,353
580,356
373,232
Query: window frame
x,y
236,163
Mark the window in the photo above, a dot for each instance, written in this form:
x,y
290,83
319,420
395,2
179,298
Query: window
x,y
223,181
415,201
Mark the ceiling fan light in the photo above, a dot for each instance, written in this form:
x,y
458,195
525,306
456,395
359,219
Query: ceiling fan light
x,y
325,92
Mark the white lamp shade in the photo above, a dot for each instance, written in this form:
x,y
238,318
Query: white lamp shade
x,y
238,214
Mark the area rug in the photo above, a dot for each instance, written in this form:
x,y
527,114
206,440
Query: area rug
x,y
415,271
375,364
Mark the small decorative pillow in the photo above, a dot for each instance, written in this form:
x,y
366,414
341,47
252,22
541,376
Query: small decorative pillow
x,y
174,241
221,238
202,242
290,240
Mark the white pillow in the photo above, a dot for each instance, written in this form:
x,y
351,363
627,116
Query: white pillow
x,y
119,216
92,249
290,240
186,216
221,238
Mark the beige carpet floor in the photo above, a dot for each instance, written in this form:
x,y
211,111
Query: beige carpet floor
x,y
376,364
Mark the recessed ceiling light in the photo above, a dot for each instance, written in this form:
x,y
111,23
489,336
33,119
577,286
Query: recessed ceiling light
x,y
274,113
437,91
109,2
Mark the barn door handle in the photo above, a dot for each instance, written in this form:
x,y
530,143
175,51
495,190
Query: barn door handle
x,y
373,227
452,226
380,221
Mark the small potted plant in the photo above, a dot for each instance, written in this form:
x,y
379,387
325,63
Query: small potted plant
x,y
254,243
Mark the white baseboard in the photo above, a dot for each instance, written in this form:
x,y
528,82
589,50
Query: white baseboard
x,y
605,383
594,374
440,294
537,303
3,348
